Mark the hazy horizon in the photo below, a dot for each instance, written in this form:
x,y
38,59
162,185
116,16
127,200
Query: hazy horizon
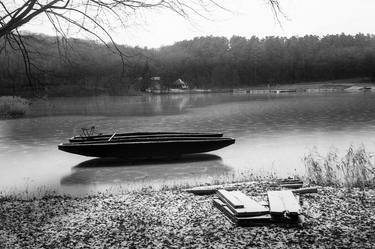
x,y
157,28
192,38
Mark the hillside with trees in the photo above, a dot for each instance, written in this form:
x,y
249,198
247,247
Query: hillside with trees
x,y
74,67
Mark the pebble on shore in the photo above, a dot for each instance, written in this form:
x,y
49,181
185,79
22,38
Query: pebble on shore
x,y
335,218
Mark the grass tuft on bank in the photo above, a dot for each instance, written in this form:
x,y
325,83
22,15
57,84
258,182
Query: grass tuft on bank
x,y
13,106
354,169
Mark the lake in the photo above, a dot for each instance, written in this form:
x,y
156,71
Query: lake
x,y
272,132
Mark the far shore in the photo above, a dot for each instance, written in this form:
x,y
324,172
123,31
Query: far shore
x,y
14,106
318,86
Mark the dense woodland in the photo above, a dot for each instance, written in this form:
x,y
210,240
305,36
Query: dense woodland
x,y
79,67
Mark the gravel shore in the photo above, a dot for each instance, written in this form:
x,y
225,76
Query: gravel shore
x,y
335,218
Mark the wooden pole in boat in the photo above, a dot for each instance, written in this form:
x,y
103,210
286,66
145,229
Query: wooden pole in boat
x,y
112,136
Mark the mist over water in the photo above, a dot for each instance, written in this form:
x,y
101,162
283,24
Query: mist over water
x,y
272,134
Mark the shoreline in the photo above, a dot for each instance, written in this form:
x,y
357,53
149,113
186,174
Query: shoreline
x,y
172,218
309,86
350,85
265,90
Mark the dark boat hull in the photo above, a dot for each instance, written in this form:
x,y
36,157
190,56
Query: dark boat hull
x,y
147,149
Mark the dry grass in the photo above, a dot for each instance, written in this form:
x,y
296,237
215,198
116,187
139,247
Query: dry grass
x,y
12,106
354,169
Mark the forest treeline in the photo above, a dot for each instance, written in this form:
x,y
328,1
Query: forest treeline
x,y
80,67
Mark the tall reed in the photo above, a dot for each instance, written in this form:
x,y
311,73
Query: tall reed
x,y
354,169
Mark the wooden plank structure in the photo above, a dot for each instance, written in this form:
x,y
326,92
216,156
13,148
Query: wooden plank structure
x,y
250,206
244,211
283,202
229,198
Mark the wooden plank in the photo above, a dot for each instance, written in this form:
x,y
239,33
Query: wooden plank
x,y
290,181
241,221
254,221
209,190
229,198
305,190
251,207
112,136
225,210
283,202
292,185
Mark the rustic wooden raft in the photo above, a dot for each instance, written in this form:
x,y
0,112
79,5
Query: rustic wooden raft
x,y
244,211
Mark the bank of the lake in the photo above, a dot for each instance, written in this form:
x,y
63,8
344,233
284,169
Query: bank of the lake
x,y
335,218
16,106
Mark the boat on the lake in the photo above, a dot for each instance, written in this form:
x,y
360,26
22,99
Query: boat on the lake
x,y
145,145
116,136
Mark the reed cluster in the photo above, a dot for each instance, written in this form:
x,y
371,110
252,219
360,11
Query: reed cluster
x,y
353,169
13,106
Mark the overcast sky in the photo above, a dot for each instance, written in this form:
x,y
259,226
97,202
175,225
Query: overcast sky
x,y
249,17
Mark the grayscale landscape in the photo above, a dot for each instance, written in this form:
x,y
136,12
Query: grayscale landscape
x,y
187,124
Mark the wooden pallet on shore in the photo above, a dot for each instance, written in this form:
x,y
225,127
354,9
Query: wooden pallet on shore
x,y
250,221
244,211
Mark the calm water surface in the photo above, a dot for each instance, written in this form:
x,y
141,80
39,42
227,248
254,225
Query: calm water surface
x,y
272,134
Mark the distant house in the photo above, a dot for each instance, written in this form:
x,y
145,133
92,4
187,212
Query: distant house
x,y
179,84
156,86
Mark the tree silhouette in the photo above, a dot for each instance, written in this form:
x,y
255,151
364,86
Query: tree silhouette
x,y
93,17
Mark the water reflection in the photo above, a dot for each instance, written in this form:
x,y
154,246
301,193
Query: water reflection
x,y
114,171
119,105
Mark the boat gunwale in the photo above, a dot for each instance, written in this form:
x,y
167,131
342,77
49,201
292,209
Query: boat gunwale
x,y
148,142
143,139
144,134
